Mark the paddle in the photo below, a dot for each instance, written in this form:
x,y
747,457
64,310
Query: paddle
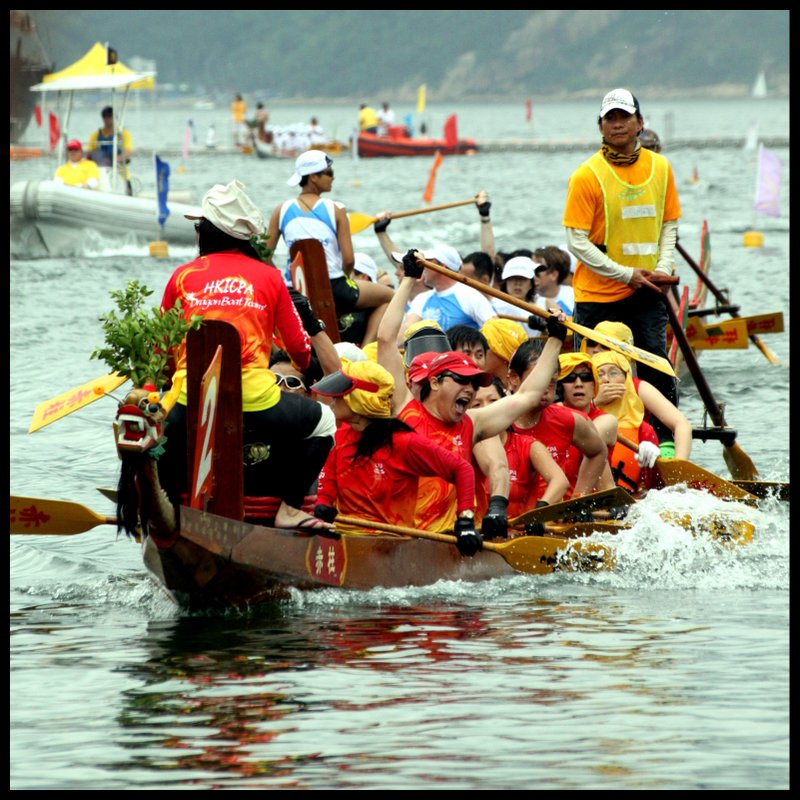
x,y
34,515
722,299
358,222
65,403
537,555
569,508
674,471
765,489
739,463
654,361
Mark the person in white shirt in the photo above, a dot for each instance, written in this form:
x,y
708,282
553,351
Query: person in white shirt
x,y
553,268
385,119
447,301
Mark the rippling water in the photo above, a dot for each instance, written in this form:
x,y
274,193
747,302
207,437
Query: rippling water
x,y
669,673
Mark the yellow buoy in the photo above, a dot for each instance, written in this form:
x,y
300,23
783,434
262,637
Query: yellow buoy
x,y
159,250
753,239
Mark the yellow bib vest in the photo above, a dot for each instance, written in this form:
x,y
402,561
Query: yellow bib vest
x,y
634,215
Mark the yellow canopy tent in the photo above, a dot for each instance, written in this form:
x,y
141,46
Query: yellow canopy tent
x,y
94,72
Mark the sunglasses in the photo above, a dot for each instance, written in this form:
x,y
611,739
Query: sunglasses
x,y
328,172
290,382
462,380
586,377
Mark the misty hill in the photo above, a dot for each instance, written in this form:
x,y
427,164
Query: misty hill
x,y
459,55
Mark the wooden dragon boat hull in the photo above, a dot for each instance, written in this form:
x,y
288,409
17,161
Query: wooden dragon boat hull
x,y
215,561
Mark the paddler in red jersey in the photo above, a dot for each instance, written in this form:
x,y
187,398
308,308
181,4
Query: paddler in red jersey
x,y
448,386
374,469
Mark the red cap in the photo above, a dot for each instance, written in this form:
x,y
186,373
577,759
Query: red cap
x,y
457,363
74,144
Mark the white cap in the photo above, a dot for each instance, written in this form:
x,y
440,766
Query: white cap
x,y
227,207
619,98
350,351
309,163
366,265
519,267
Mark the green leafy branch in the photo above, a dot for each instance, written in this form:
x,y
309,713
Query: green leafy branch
x,y
139,340
259,242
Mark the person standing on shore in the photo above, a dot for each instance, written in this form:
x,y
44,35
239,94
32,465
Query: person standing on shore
x,y
621,223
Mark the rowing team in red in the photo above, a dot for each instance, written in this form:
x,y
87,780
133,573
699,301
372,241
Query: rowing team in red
x,y
406,434
430,438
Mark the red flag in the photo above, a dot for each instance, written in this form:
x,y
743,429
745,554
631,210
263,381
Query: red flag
x,y
37,113
528,110
450,133
428,195
54,131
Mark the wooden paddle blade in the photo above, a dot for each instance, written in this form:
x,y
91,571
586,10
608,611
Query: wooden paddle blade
x,y
359,222
728,335
636,353
765,489
69,401
541,555
739,463
675,471
578,505
33,515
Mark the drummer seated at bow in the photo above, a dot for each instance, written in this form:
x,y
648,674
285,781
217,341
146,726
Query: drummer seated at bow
x,y
656,404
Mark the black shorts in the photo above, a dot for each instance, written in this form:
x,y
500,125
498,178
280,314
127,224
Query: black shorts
x,y
345,294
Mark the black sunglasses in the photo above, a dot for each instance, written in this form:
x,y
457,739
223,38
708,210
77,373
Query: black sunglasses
x,y
586,377
462,380
328,172
290,381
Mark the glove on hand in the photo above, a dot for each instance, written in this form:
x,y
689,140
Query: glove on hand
x,y
307,316
495,521
483,208
381,225
326,513
411,269
537,323
647,455
555,328
618,512
468,540
534,529
582,516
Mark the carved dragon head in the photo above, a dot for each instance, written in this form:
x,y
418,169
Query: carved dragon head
x,y
140,422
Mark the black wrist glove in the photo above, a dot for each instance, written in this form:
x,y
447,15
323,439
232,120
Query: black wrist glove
x,y
534,529
537,323
411,269
307,316
325,513
381,225
582,516
468,540
483,208
541,504
495,521
555,328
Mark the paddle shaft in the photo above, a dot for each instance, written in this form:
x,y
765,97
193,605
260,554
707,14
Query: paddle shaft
x,y
359,222
636,353
721,298
738,461
428,209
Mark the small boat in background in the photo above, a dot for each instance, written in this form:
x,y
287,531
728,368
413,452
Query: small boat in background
x,y
760,86
49,219
399,142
